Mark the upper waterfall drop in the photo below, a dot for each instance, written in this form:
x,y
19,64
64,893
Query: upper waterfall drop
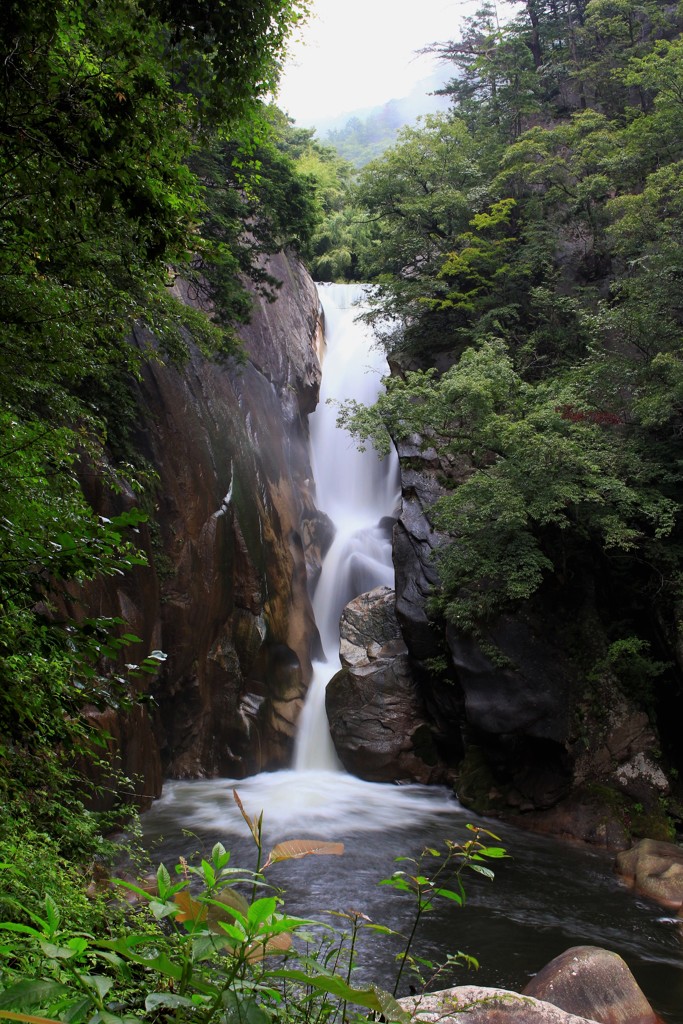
x,y
358,491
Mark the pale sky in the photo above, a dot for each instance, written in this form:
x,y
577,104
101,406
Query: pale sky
x,y
361,53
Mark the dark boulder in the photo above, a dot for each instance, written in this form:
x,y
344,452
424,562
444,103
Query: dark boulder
x,y
376,716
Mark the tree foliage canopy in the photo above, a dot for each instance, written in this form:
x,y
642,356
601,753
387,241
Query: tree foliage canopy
x,y
529,245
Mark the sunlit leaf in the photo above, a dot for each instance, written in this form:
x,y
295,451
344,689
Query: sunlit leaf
x,y
190,909
293,849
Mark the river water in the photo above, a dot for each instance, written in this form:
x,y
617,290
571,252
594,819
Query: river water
x,y
545,898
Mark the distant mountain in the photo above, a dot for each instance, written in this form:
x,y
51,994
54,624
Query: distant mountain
x,y
361,135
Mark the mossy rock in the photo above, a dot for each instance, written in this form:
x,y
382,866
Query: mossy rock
x,y
640,823
476,785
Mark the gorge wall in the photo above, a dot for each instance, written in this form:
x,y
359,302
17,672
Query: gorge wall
x,y
513,719
231,526
536,724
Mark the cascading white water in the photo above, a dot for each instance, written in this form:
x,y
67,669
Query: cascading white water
x,y
357,490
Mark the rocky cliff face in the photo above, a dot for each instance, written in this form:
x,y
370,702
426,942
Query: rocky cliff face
x,y
531,731
225,596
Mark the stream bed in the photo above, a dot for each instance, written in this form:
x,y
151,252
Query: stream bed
x,y
546,897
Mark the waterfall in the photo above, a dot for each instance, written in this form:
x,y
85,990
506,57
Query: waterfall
x,y
358,491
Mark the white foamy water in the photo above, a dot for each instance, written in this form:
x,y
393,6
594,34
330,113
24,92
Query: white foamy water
x,y
357,490
321,803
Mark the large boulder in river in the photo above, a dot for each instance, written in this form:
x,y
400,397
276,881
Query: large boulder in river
x,y
376,716
655,870
475,1004
594,983
584,983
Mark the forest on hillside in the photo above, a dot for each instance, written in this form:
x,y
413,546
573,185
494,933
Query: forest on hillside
x,y
526,252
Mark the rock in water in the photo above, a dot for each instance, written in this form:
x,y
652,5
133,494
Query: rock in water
x,y
376,715
472,1004
655,870
593,983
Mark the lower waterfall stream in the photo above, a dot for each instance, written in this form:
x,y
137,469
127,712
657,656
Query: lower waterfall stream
x,y
547,897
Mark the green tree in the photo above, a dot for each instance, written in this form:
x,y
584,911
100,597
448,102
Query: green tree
x,y
548,470
549,303
496,88
421,195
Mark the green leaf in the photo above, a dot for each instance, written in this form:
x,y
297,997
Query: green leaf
x,y
162,910
220,856
57,952
381,929
52,914
481,870
450,895
27,993
261,910
23,929
209,874
114,960
233,930
77,1010
163,882
98,982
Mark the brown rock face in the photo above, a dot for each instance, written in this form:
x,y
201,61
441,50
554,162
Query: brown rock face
x,y
376,716
226,595
593,983
655,870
